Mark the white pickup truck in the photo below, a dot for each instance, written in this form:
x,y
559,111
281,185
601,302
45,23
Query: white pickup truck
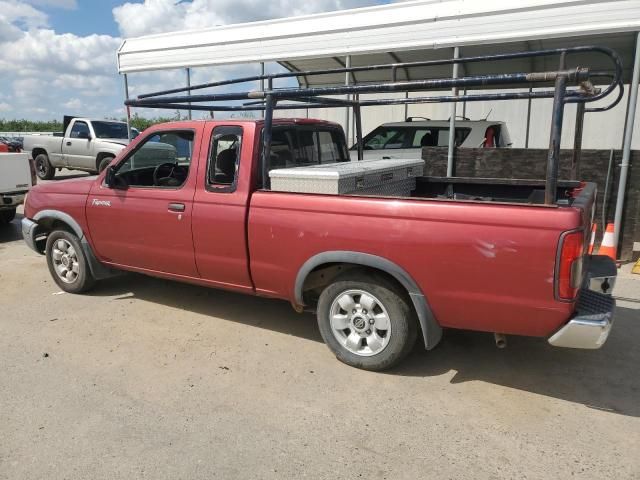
x,y
16,178
87,145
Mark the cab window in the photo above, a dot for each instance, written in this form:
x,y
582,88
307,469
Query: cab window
x,y
383,138
390,138
79,130
162,160
224,156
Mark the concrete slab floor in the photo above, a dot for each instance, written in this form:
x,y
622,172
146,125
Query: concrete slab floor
x,y
145,378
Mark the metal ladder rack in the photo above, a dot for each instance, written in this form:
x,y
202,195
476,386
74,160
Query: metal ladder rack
x,y
269,99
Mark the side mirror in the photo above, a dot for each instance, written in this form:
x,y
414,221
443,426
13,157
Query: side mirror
x,y
84,135
110,177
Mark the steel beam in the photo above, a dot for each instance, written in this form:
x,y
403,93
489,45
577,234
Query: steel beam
x,y
347,111
628,137
189,115
452,117
126,99
526,138
557,115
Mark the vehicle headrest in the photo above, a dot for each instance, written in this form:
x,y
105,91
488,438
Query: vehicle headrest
x,y
226,162
428,140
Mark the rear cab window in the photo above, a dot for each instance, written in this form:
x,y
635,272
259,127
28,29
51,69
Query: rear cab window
x,y
302,145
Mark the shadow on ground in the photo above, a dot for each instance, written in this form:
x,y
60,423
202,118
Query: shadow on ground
x,y
11,232
62,176
604,379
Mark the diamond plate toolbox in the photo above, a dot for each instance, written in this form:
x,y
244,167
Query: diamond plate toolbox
x,y
393,177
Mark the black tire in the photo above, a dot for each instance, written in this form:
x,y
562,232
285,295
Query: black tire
x,y
83,279
7,216
104,163
44,170
402,318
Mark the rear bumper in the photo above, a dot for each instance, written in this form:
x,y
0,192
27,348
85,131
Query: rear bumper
x,y
11,200
593,319
29,233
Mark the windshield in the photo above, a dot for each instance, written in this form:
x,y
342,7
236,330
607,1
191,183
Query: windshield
x,y
110,130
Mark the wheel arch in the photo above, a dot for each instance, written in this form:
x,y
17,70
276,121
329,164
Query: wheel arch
x,y
101,156
37,151
47,221
431,330
48,218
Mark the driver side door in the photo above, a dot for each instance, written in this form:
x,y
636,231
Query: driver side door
x,y
145,223
77,148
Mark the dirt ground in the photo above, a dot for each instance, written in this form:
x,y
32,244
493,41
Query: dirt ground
x,y
145,378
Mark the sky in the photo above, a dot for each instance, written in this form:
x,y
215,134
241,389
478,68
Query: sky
x,y
58,57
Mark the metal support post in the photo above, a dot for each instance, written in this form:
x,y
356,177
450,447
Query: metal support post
x,y
266,139
577,142
189,91
358,126
452,118
262,80
464,105
347,113
526,138
406,107
551,184
628,137
126,97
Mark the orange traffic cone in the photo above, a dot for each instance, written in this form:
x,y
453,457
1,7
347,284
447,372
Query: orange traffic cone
x,y
607,247
594,230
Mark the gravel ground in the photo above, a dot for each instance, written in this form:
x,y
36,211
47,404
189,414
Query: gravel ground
x,y
144,378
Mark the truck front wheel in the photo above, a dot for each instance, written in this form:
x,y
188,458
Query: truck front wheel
x,y
67,262
366,321
44,170
7,216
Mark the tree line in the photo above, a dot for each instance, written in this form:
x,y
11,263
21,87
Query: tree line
x,y
23,125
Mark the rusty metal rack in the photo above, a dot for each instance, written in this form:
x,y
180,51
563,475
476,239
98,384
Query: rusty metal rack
x,y
564,85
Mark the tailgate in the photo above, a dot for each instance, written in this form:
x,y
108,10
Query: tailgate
x,y
15,173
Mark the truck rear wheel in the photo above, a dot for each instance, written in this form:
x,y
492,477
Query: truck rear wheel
x,y
7,216
67,262
44,170
366,321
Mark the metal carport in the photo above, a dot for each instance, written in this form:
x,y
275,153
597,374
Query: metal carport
x,y
408,31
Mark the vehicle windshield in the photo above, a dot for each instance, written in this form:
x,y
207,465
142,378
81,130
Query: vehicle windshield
x,y
110,130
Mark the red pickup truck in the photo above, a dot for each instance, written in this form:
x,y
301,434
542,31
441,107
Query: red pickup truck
x,y
185,201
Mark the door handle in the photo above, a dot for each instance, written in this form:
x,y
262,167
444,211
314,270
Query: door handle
x,y
386,158
68,144
176,207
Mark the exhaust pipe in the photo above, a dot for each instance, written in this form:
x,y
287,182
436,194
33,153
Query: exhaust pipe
x,y
501,340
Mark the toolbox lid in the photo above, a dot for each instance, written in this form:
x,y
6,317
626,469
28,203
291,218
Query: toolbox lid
x,y
341,170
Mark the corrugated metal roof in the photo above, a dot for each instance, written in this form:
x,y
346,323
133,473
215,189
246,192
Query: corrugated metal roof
x,y
396,32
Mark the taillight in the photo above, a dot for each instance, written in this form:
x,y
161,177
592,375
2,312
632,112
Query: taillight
x,y
489,138
32,168
570,265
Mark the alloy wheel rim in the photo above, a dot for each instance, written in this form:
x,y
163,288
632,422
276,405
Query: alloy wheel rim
x,y
40,167
65,261
360,322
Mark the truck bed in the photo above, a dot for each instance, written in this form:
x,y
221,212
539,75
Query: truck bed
x,y
520,191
